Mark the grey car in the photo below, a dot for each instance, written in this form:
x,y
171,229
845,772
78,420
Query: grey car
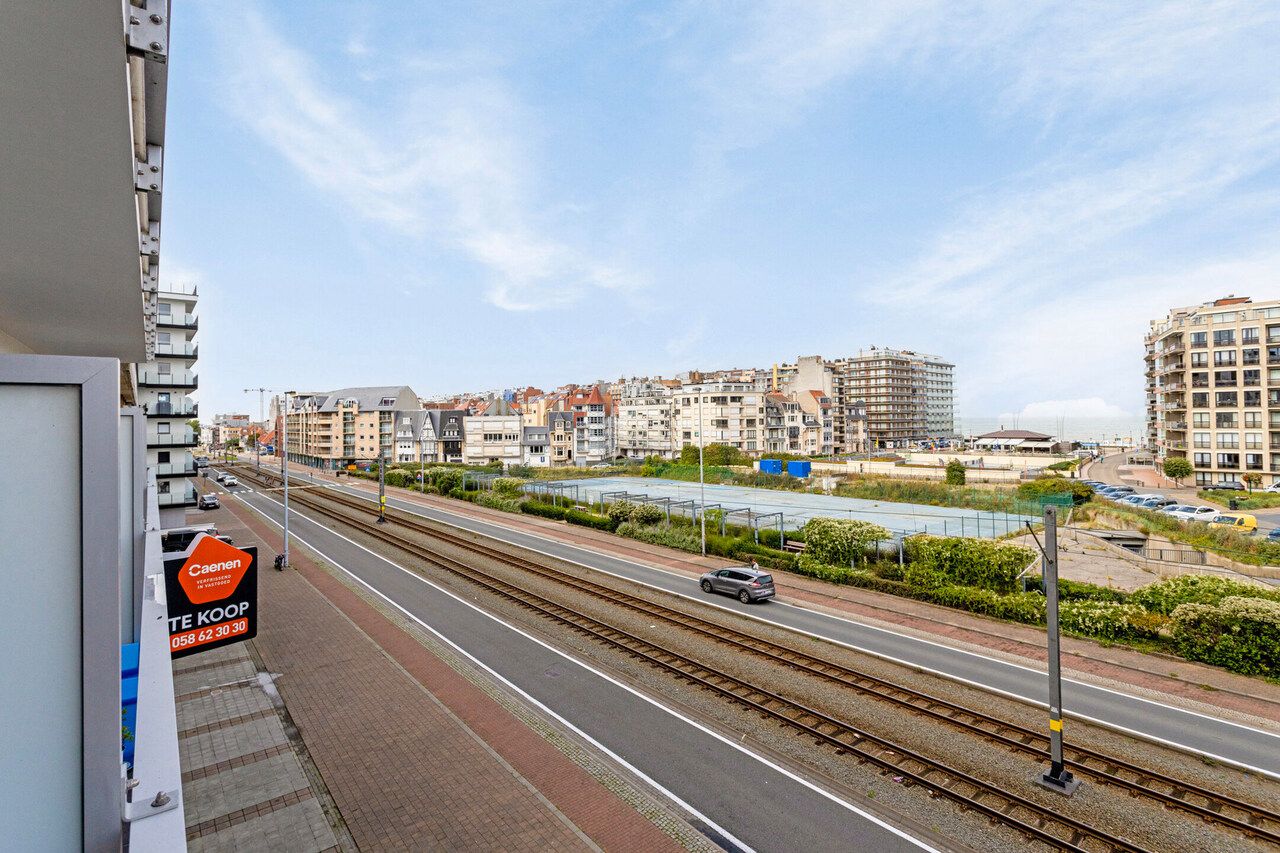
x,y
746,583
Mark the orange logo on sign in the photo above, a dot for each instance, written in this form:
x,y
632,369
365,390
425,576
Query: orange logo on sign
x,y
213,571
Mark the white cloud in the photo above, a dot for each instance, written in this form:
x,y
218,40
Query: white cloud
x,y
450,166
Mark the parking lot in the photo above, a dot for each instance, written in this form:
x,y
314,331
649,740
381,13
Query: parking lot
x,y
798,507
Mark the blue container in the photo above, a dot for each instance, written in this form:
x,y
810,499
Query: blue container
x,y
770,466
129,719
799,469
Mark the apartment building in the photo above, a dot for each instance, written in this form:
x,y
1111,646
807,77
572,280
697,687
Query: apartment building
x,y
1213,388
165,384
908,396
494,436
332,429
535,446
229,428
731,413
442,435
643,419
593,440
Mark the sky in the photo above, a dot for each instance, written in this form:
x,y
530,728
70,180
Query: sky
x,y
466,196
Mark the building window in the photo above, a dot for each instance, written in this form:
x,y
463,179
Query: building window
x,y
1223,378
162,428
1199,339
1253,420
1200,400
1202,439
1226,399
1253,441
165,309
1252,399
1226,420
1228,460
1224,358
1200,420
1249,336
1199,359
1224,337
1201,460
1229,440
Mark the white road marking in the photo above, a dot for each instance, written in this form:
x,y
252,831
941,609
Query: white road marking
x,y
655,703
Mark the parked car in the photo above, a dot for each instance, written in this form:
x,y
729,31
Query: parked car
x,y
1229,485
1196,513
746,583
1274,487
209,501
1157,502
230,481
1174,508
1113,492
1274,535
1242,522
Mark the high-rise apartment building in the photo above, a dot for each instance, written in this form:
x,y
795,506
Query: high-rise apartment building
x,y
730,413
909,396
164,387
1213,388
644,418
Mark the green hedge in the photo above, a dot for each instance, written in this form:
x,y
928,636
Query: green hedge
x,y
1069,590
1241,634
590,519
1167,595
1055,485
937,561
841,541
683,538
545,510
1109,620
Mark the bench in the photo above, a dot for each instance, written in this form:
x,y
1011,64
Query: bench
x,y
794,547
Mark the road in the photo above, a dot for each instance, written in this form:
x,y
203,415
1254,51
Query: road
x,y
1214,737
742,798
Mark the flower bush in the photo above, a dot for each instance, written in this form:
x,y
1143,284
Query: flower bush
x,y
840,541
1108,620
646,514
1167,595
620,511
509,486
1241,634
969,562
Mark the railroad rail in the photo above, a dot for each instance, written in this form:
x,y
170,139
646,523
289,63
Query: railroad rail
x,y
1209,805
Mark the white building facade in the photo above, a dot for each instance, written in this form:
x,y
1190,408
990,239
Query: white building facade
x,y
165,385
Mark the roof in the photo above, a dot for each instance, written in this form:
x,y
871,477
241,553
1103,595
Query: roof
x,y
1017,433
370,398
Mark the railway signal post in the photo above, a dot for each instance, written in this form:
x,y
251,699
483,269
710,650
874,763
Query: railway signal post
x,y
1059,778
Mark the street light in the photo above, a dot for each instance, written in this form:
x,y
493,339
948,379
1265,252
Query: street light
x,y
257,444
702,485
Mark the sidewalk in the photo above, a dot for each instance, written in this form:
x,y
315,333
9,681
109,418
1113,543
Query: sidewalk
x,y
414,754
1193,685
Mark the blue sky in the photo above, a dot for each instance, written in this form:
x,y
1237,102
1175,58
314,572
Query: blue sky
x,y
464,196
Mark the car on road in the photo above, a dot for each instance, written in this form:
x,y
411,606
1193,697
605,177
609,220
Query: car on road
x,y
1138,500
202,461
209,501
221,476
746,583
230,481
1241,522
1196,513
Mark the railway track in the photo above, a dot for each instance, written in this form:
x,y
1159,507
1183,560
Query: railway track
x,y
1247,818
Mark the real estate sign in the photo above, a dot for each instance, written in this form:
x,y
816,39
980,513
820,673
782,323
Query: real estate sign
x,y
213,596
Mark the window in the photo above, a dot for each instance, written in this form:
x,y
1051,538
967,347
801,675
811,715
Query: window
x,y
1249,336
1250,356
165,368
165,308
1253,420
1228,440
1199,401
1228,460
162,457
1224,358
1199,339
1251,377
1199,359
1226,399
1253,440
1224,377
1202,460
1224,337
1252,399
162,428
1226,420
1201,439
1200,420
1200,380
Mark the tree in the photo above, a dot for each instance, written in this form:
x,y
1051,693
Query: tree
x,y
955,473
194,423
1253,479
1177,467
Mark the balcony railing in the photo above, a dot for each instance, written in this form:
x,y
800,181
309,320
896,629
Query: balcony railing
x,y
181,497
184,438
183,409
176,469
176,379
186,289
178,321
187,349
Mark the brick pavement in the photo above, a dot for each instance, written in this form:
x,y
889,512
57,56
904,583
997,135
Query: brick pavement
x,y
414,754
1194,683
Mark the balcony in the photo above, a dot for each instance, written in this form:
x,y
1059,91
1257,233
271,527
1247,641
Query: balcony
x,y
184,409
186,289
1172,387
187,349
1178,426
177,321
175,469
1176,445
176,379
181,497
184,438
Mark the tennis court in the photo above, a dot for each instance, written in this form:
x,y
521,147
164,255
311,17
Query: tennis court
x,y
795,507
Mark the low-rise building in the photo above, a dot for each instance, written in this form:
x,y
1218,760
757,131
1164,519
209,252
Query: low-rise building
x,y
443,433
536,446
493,436
560,430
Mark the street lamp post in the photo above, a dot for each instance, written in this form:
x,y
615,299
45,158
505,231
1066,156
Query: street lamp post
x,y
257,444
702,485
284,464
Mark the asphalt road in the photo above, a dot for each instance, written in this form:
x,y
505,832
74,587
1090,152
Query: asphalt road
x,y
1211,736
741,795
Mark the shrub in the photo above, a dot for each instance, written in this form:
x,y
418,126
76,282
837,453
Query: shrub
x,y
840,541
545,510
683,538
1069,590
457,493
1167,595
508,486
590,519
1241,634
445,479
494,500
1177,467
955,473
646,514
620,511
1107,620
522,471
969,562
1054,485
714,454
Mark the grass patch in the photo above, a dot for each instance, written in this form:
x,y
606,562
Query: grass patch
x,y
1244,500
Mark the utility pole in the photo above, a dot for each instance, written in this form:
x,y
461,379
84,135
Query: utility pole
x,y
1058,778
702,485
382,489
284,466
257,444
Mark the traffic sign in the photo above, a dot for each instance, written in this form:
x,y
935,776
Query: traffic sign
x,y
212,595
